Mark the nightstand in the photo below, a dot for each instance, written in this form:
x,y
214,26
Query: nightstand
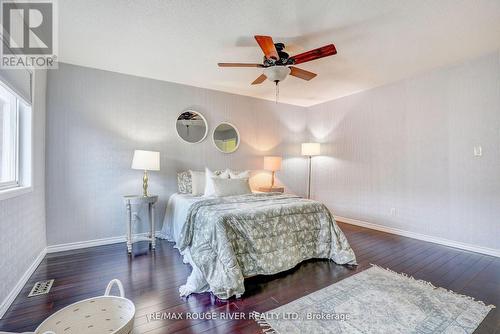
x,y
138,201
272,189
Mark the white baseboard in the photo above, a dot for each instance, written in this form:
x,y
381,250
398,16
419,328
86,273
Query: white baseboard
x,y
84,244
90,243
20,284
419,236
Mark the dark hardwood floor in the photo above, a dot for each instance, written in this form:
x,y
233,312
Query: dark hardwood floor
x,y
152,281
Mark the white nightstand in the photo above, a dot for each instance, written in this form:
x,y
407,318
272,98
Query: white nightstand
x,y
137,200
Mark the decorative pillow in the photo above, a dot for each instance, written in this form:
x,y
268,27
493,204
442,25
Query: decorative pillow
x,y
219,172
197,182
184,184
231,187
239,175
209,184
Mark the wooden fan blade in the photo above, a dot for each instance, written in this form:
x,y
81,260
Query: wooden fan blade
x,y
259,80
302,74
239,65
267,45
324,51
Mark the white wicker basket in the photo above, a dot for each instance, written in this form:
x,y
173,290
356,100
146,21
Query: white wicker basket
x,y
98,315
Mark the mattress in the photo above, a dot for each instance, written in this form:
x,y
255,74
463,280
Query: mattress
x,y
176,214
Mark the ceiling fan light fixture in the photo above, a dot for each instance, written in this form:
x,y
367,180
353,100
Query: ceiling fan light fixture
x,y
276,73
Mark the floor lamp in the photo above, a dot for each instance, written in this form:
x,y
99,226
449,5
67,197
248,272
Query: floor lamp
x,y
310,150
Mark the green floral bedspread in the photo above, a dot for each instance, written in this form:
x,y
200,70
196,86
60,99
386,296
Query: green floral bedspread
x,y
234,237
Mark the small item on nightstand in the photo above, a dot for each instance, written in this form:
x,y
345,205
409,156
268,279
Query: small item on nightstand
x,y
272,189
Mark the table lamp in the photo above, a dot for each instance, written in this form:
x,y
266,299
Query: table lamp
x,y
272,164
146,161
310,150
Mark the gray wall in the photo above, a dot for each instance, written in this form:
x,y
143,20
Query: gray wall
x,y
95,120
22,218
409,146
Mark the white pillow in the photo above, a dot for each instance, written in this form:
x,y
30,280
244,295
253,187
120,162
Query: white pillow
x,y
197,183
239,175
231,187
209,183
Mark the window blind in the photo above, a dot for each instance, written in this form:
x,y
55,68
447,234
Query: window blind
x,y
19,80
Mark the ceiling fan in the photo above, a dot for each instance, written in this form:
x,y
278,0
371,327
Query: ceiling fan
x,y
278,64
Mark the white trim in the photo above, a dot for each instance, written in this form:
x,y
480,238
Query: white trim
x,y
85,244
419,236
92,243
14,192
20,283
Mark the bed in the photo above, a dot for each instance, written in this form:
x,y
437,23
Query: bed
x,y
227,239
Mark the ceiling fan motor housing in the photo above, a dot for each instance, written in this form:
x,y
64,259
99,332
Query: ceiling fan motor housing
x,y
276,73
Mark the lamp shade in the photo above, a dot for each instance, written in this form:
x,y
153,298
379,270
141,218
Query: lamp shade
x,y
310,149
272,163
146,160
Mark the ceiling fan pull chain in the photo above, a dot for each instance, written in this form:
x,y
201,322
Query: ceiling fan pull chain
x,y
277,91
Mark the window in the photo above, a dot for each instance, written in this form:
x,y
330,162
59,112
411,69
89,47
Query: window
x,y
15,145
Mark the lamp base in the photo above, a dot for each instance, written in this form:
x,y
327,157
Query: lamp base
x,y
272,189
309,179
145,180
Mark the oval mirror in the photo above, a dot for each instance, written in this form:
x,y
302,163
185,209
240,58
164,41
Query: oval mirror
x,y
226,137
191,126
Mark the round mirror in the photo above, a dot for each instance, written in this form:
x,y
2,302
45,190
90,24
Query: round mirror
x,y
191,126
226,138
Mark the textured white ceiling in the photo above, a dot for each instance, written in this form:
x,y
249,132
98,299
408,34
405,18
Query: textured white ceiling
x,y
182,40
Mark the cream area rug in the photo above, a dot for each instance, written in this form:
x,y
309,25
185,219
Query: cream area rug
x,y
377,301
